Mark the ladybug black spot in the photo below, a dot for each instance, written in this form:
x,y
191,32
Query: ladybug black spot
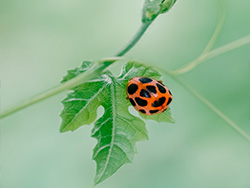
x,y
159,102
142,111
132,89
169,100
132,102
145,80
144,93
161,88
141,102
153,111
151,89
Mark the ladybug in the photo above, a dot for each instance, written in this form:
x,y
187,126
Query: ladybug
x,y
148,96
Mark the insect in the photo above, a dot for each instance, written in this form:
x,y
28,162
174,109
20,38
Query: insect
x,y
148,96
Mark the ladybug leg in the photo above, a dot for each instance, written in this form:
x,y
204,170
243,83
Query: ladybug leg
x,y
160,81
127,98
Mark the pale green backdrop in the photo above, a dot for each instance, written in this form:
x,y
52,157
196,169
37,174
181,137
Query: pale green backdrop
x,y
41,40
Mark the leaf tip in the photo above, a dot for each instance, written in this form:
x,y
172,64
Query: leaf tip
x,y
63,129
171,121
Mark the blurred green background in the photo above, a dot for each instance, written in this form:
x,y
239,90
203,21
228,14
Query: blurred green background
x,y
41,40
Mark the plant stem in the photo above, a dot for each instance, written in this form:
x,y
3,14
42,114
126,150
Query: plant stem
x,y
97,68
86,76
208,55
134,40
228,47
213,108
218,28
210,44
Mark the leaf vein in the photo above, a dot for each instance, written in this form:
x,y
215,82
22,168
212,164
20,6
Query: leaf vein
x,y
112,88
86,105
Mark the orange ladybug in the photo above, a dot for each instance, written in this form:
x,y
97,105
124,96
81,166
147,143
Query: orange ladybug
x,y
148,96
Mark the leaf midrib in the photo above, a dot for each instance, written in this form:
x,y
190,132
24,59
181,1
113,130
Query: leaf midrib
x,y
113,100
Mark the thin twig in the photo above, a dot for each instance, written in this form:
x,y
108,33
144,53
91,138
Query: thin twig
x,y
216,52
209,105
209,46
214,109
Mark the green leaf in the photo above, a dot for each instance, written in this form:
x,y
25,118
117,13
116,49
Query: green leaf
x,y
162,117
80,105
116,131
152,8
134,69
77,71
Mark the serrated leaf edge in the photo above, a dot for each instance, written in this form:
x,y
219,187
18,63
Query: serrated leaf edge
x,y
84,108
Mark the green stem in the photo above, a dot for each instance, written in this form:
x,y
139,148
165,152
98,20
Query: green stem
x,y
218,28
209,105
210,44
228,47
213,53
213,108
96,69
135,39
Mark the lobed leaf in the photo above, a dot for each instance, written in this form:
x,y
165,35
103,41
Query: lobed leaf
x,y
80,105
116,131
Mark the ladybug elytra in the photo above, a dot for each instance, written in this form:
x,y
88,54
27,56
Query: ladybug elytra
x,y
148,96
